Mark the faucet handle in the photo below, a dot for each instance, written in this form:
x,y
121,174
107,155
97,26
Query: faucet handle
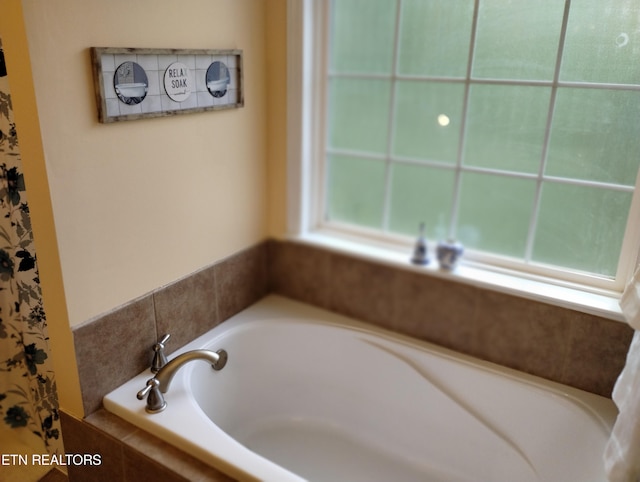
x,y
159,358
155,399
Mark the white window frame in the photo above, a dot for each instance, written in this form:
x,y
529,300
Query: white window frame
x,y
306,101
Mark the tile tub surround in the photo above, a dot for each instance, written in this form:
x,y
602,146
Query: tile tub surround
x,y
55,475
570,347
573,348
559,344
128,454
114,347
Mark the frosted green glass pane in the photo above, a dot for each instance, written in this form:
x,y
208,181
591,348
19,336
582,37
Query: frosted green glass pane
x,y
602,42
517,39
581,227
359,114
495,212
428,117
356,191
506,127
421,194
363,35
435,37
595,135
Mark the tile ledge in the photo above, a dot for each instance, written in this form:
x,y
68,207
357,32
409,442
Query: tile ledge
x,y
155,449
603,304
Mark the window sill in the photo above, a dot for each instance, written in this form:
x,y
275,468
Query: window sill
x,y
602,303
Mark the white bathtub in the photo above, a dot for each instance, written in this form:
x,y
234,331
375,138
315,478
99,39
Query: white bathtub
x,y
308,394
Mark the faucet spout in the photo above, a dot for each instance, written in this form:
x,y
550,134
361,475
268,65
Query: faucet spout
x,y
218,360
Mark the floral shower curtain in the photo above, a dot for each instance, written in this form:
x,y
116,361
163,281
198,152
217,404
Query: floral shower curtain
x,y
28,399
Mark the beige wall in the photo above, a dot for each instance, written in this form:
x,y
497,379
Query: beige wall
x,y
139,204
122,209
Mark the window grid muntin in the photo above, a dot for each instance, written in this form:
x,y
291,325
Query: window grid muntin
x,y
455,203
481,170
486,81
392,120
459,167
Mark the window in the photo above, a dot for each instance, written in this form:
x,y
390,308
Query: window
x,y
513,127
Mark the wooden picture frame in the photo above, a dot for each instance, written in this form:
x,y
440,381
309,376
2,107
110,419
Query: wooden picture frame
x,y
133,83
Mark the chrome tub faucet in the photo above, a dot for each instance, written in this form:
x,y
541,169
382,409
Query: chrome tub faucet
x,y
159,384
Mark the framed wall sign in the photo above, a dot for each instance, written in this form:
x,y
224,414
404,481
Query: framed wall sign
x,y
140,83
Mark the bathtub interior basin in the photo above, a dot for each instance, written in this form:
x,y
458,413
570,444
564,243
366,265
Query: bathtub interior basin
x,y
307,394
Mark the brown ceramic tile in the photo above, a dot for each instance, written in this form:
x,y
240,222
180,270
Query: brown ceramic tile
x,y
138,467
113,348
143,450
145,453
241,280
187,308
81,438
522,334
597,354
54,475
300,272
110,424
436,310
362,289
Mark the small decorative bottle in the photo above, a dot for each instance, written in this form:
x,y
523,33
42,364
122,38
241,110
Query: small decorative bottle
x,y
420,254
448,253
